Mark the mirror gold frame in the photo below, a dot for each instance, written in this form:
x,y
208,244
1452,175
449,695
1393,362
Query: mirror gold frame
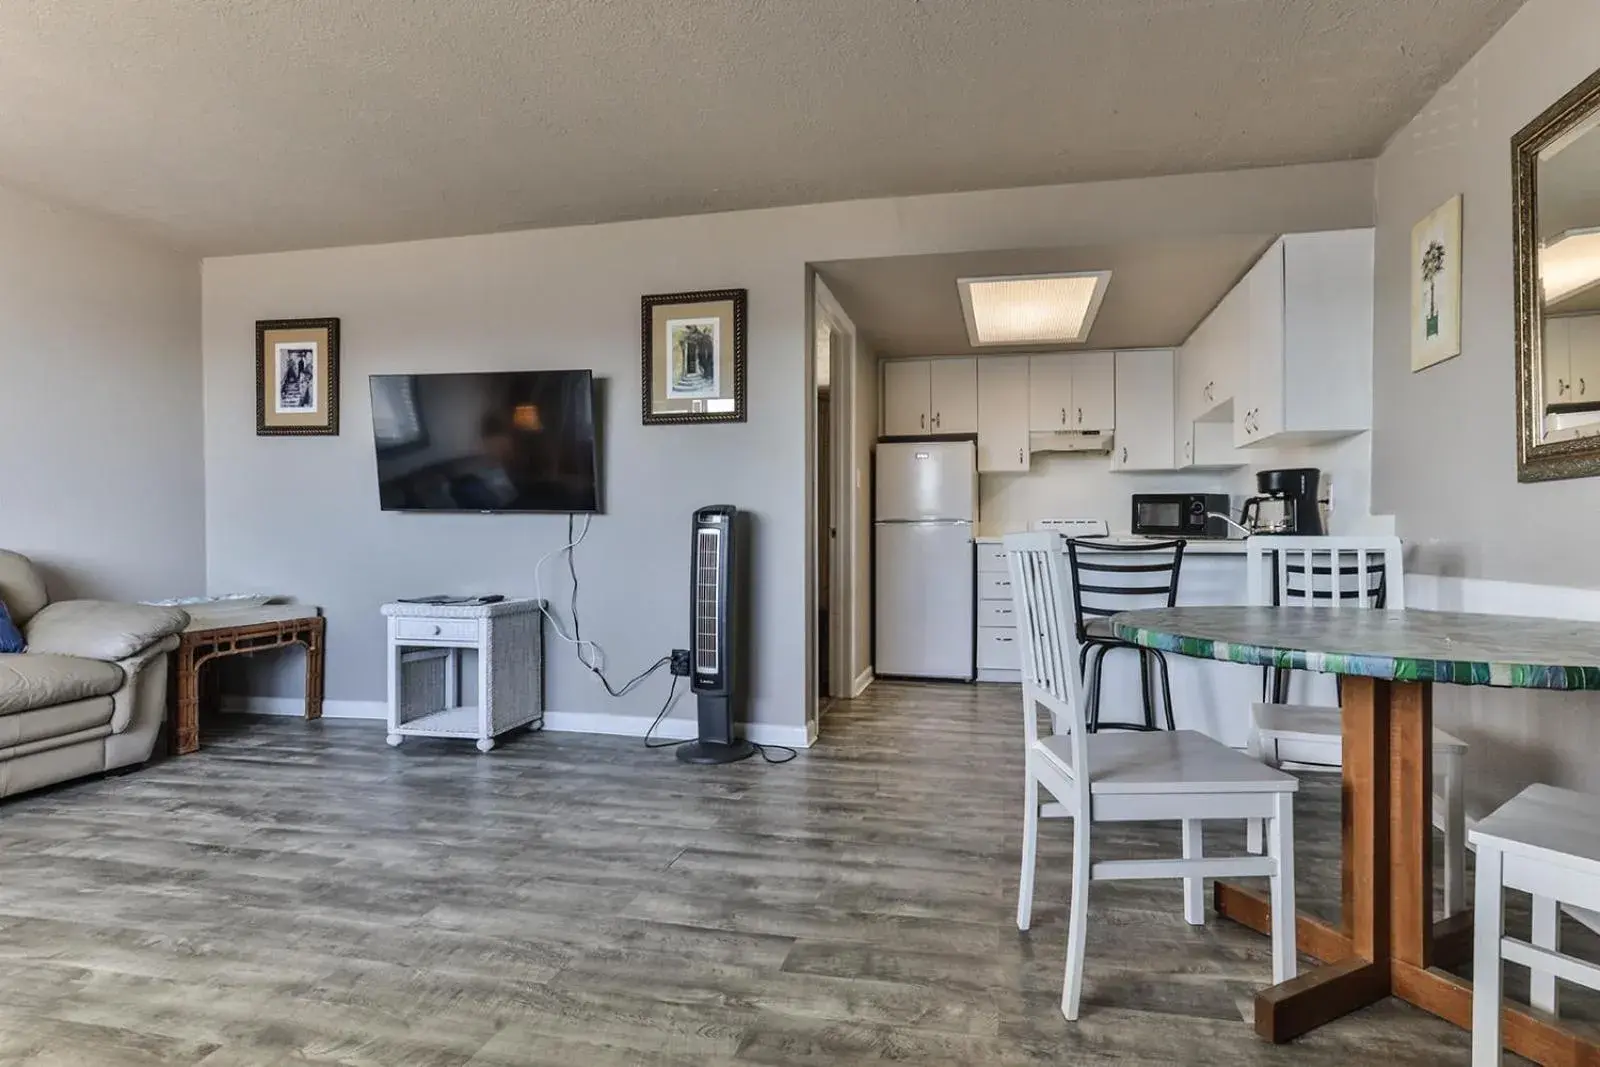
x,y
1539,460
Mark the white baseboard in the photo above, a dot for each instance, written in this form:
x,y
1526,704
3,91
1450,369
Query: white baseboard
x,y
295,707
859,686
572,722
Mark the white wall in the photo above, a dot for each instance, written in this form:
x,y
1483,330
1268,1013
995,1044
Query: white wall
x,y
570,297
1444,446
100,421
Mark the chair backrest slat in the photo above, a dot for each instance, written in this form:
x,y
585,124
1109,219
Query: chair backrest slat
x,y
1049,639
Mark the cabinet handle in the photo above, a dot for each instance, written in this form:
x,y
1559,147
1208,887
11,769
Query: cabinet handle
x,y
1019,455
1006,584
1063,416
924,418
1080,416
1005,640
936,420
1187,446
1124,455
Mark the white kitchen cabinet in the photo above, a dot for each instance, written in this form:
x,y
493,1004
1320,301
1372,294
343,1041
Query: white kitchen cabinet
x,y
907,392
1094,391
1309,367
1003,405
1208,446
1050,406
953,396
922,397
1571,357
1144,411
1072,391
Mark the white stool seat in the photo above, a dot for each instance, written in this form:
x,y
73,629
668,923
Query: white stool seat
x,y
1546,842
1167,761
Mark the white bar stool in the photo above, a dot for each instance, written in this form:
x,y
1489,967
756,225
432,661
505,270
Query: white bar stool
x,y
1544,841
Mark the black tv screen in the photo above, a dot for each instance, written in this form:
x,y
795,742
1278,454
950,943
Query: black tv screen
x,y
503,441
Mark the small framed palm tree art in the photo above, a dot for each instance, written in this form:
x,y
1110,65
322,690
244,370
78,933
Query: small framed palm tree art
x,y
1436,286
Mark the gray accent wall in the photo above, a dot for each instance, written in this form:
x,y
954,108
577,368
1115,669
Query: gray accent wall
x,y
1443,444
301,516
1444,441
100,428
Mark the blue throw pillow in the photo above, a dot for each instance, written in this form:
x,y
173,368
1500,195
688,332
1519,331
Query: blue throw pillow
x,y
10,637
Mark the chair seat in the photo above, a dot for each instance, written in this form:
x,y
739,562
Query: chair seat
x,y
1100,627
1170,761
1544,822
1317,722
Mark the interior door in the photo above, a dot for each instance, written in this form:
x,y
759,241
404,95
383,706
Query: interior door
x,y
905,398
1094,391
953,387
1050,406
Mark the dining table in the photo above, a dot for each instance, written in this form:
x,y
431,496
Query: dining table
x,y
1387,942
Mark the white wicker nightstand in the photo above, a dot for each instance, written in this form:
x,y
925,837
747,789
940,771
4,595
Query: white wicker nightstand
x,y
426,643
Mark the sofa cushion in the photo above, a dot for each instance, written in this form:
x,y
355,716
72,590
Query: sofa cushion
x,y
33,680
62,723
100,629
21,587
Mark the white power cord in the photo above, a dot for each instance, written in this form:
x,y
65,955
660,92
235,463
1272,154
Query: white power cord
x,y
597,660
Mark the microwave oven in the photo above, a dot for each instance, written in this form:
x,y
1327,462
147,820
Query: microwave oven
x,y
1179,515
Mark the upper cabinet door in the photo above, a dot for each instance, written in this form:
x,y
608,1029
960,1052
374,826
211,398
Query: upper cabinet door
x,y
1094,391
954,392
906,393
1258,404
1050,406
1144,414
1583,359
1002,413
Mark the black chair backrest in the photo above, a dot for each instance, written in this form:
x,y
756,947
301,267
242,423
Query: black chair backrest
x,y
1109,578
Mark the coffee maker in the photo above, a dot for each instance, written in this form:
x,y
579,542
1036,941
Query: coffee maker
x,y
1287,504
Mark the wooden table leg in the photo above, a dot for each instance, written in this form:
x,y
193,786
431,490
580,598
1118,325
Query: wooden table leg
x,y
186,712
316,635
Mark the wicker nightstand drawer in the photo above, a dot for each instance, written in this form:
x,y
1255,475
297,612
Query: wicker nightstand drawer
x,y
437,629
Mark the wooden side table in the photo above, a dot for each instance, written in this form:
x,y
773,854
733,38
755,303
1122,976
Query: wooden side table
x,y
235,634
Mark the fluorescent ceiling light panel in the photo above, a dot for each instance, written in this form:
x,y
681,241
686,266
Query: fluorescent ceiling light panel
x,y
1031,308
1569,262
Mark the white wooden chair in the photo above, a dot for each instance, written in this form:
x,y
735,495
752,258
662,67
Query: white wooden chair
x,y
1546,842
1344,573
1173,776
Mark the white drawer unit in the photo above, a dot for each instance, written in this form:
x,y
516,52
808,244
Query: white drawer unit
x,y
992,559
992,586
428,646
438,631
996,613
997,649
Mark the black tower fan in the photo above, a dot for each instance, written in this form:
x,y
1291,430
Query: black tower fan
x,y
717,625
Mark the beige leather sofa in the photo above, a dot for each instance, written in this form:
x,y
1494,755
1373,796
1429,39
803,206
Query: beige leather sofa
x,y
90,692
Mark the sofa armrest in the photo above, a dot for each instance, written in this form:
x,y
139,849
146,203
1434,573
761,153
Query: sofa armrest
x,y
101,629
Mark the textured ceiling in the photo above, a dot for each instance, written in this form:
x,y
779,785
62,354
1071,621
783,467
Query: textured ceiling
x,y
269,124
1159,291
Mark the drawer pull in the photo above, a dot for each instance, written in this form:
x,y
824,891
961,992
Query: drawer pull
x,y
1005,640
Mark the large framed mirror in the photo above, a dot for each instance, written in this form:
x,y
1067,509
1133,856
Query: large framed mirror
x,y
1555,177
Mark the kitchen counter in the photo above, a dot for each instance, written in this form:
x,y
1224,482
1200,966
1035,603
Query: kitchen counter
x,y
1195,547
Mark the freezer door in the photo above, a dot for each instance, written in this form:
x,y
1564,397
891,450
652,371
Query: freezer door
x,y
923,600
927,480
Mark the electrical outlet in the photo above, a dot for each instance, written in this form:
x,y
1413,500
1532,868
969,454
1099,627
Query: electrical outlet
x,y
680,662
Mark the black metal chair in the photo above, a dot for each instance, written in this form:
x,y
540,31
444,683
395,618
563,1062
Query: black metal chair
x,y
1106,581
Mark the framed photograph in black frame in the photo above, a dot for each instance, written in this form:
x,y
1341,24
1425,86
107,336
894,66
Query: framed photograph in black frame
x,y
297,378
693,356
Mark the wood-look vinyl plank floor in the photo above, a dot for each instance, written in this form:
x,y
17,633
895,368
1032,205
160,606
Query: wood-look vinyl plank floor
x,y
300,894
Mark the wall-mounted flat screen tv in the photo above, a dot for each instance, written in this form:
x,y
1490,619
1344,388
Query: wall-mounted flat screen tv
x,y
499,441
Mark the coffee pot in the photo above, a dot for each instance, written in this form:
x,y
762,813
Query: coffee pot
x,y
1287,504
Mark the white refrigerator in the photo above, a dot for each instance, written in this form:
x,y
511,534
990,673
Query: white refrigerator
x,y
927,502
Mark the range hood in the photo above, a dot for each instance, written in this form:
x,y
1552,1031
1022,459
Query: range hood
x,y
1070,441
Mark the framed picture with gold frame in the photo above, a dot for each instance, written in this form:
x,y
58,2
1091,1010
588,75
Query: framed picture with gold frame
x,y
693,356
297,377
